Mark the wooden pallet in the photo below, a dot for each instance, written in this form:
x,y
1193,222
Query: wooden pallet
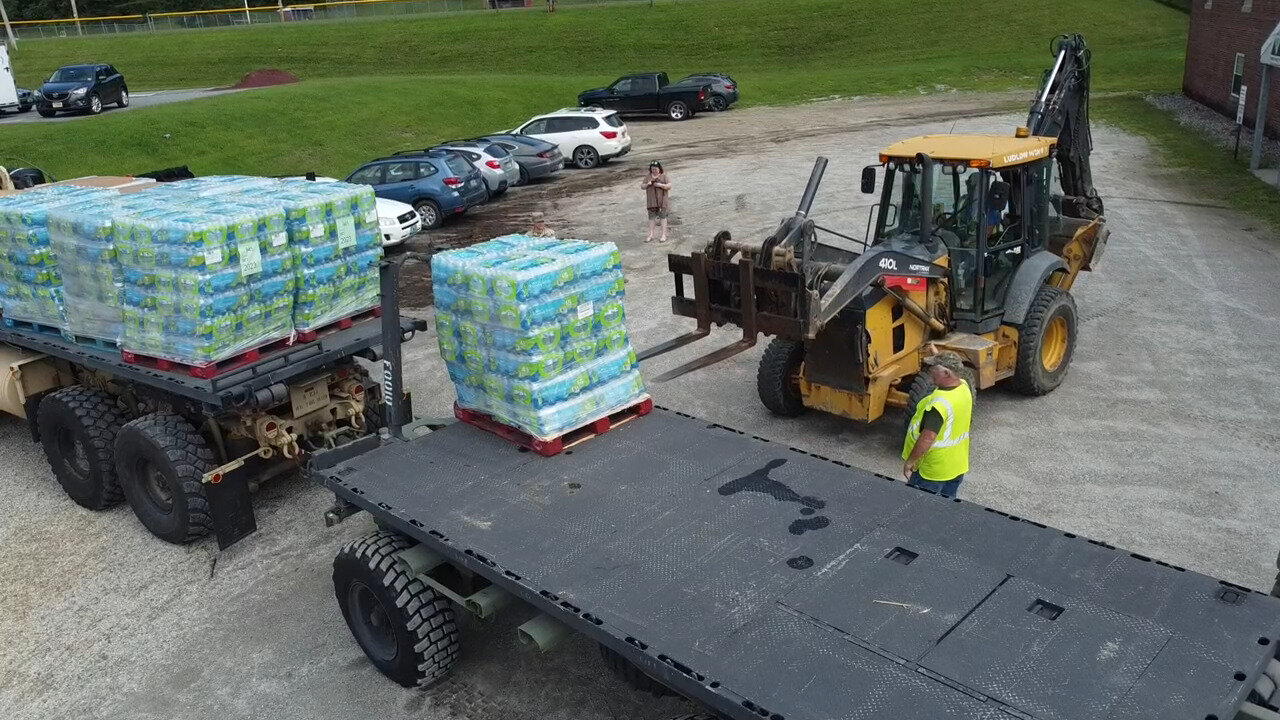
x,y
207,371
54,331
547,447
305,336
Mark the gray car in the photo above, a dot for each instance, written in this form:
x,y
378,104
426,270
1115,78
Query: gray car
x,y
495,164
724,89
537,158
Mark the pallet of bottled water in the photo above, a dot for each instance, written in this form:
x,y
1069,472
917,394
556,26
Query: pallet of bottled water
x,y
31,278
533,331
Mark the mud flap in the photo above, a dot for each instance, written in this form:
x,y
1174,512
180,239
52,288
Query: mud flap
x,y
232,510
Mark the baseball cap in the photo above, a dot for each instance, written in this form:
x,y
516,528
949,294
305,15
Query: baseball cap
x,y
946,359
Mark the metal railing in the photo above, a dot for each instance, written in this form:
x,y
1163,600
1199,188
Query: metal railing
x,y
283,13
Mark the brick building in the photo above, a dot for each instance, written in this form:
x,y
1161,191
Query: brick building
x,y
1223,53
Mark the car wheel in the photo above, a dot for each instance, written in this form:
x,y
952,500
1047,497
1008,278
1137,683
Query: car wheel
x,y
502,187
718,103
429,211
95,104
677,110
124,99
586,157
524,176
46,112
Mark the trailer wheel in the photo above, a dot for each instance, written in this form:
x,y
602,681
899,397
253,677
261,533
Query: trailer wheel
x,y
1046,342
403,625
161,459
778,377
77,428
633,676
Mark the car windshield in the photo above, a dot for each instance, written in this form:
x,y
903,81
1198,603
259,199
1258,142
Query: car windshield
x,y
457,165
612,120
72,74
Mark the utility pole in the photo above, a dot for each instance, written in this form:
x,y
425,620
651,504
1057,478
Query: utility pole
x,y
76,14
247,19
8,29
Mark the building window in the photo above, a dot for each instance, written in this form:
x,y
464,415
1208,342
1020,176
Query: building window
x,y
1237,76
1208,4
1246,6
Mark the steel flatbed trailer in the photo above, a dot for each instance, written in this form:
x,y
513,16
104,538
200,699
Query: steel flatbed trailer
x,y
765,582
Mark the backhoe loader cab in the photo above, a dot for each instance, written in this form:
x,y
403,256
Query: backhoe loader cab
x,y
973,247
988,203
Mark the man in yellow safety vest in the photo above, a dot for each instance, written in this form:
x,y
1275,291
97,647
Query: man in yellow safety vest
x,y
936,449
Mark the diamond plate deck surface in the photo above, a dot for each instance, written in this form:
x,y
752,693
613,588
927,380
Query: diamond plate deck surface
x,y
770,583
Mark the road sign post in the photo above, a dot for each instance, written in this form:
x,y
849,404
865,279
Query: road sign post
x,y
1244,94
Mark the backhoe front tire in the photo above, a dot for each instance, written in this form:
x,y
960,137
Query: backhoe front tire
x,y
161,459
78,427
1046,342
404,626
778,377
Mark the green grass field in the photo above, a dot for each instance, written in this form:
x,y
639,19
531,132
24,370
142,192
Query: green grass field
x,y
375,86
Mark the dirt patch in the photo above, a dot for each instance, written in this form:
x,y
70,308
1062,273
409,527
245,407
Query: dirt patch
x,y
266,77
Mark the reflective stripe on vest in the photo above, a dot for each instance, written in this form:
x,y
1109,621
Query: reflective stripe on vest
x,y
948,457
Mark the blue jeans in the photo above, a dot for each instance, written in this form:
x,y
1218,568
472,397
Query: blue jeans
x,y
946,489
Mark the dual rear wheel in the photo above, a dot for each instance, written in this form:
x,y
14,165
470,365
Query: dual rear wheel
x,y
155,462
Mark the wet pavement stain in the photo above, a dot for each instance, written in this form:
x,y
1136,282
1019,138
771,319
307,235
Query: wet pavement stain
x,y
759,481
800,527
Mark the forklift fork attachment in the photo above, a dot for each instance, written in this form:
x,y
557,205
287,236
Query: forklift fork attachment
x,y
747,305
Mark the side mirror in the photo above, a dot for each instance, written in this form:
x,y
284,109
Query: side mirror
x,y
869,180
997,195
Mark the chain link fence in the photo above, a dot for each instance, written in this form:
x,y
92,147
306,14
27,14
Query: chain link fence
x,y
283,13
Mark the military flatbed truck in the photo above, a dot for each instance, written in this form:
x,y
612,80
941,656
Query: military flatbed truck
x,y
762,581
185,451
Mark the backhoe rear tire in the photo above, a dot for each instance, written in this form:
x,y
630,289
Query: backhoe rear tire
x,y
1046,342
778,377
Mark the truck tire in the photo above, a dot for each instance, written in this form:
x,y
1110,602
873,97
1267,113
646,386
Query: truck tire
x,y
404,626
922,384
77,427
161,459
633,676
1046,342
678,110
778,377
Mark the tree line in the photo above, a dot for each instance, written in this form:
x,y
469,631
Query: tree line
x,y
53,9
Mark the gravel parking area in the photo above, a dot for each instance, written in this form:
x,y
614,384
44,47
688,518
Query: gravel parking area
x,y
1158,441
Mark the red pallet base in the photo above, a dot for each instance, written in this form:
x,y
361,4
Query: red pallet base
x,y
306,336
206,371
560,443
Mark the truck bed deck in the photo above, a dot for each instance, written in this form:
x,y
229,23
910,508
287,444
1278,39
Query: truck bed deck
x,y
234,387
769,583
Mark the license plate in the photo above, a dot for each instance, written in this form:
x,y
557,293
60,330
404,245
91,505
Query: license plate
x,y
57,104
310,397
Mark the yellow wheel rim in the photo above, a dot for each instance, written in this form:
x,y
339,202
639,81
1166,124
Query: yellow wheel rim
x,y
1053,347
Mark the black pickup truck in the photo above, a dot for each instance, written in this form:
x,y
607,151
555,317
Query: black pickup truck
x,y
644,93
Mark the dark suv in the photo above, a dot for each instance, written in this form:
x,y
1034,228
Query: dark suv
x,y
82,87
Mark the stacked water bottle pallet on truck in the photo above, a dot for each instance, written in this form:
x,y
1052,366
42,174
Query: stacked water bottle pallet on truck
x,y
203,275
